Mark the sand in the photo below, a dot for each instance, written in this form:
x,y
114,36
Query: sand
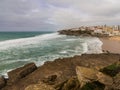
x,y
111,44
116,38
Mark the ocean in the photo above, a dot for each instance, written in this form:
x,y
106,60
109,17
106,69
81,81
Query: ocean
x,y
20,48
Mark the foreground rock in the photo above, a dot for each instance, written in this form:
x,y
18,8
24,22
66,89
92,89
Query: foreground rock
x,y
40,86
19,73
87,75
116,83
60,71
70,84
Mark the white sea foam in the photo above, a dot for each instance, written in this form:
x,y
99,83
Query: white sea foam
x,y
60,46
94,46
63,52
26,41
85,47
70,39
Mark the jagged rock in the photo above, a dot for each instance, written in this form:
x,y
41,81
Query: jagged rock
x,y
116,83
50,79
40,86
86,75
104,79
21,72
2,82
71,84
64,69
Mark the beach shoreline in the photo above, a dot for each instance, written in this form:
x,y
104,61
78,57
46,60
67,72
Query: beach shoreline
x,y
111,44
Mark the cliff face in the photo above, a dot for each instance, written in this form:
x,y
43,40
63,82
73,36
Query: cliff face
x,y
74,32
59,72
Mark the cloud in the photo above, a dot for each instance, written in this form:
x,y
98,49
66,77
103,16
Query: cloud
x,y
23,13
84,12
52,14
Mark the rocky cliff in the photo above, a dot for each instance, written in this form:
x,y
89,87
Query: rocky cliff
x,y
86,72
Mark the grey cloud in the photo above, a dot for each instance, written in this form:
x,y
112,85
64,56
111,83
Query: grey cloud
x,y
58,13
22,13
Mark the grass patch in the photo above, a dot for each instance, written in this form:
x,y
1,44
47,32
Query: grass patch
x,y
93,86
111,70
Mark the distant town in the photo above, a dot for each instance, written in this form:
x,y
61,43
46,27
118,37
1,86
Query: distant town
x,y
102,30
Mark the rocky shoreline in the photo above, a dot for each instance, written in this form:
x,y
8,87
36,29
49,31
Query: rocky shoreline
x,y
85,72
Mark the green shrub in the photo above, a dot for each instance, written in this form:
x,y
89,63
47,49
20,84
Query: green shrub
x,y
111,70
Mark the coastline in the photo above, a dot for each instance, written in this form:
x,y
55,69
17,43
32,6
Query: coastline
x,y
60,71
110,44
57,71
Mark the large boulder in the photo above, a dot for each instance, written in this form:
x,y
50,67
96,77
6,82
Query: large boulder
x,y
21,72
2,82
39,86
86,75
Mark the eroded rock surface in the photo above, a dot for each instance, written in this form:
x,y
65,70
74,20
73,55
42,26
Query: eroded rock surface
x,y
40,86
116,83
87,75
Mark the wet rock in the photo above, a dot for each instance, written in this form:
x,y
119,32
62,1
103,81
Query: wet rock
x,y
2,82
21,72
40,86
87,75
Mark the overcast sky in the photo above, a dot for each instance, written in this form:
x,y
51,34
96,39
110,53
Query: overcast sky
x,y
38,15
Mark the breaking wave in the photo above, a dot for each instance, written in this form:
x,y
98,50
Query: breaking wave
x,y
46,47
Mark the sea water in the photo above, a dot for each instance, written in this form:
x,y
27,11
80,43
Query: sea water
x,y
20,48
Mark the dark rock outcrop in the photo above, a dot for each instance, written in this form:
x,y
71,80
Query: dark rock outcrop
x,y
2,82
112,69
75,32
21,72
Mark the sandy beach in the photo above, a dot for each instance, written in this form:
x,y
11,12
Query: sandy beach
x,y
111,44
